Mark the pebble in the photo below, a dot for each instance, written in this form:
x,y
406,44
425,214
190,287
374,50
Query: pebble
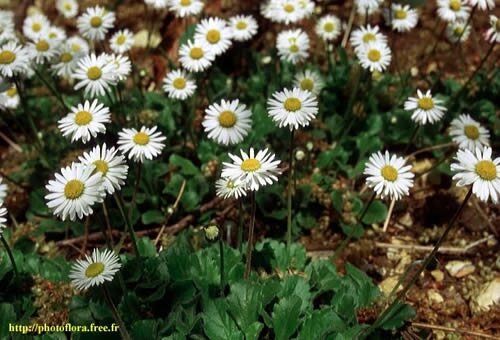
x,y
438,275
460,268
387,285
434,296
488,295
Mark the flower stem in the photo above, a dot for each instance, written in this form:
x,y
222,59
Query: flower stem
x,y
9,253
240,225
51,88
116,315
119,203
248,265
417,273
108,226
136,188
412,138
290,193
221,257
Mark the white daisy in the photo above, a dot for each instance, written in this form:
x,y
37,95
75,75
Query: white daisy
x,y
14,60
121,41
95,23
468,133
56,34
369,7
179,85
10,99
483,4
196,56
35,26
403,18
3,190
252,170
481,171
307,6
85,121
363,35
215,33
3,220
95,270
285,11
121,64
329,27
110,164
309,81
157,4
374,56
68,8
293,45
95,74
7,26
292,108
184,8
65,62
457,31
227,188
493,33
74,191
388,175
451,10
43,50
243,27
425,108
78,45
227,122
140,145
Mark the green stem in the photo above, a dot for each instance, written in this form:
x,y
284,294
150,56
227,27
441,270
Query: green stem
x,y
9,253
109,239
116,315
51,88
221,257
412,138
290,193
240,225
119,203
248,264
136,188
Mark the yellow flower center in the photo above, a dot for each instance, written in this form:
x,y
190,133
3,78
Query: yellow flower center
x,y
7,57
389,173
487,170
66,57
457,31
294,48
179,83
36,27
83,118
471,131
94,269
374,55
67,6
185,2
425,103
101,166
52,35
227,119
76,48
74,189
141,138
400,14
94,73
230,184
213,36
307,84
329,27
120,40
455,5
96,22
250,165
292,104
241,25
196,53
367,37
289,8
12,91
42,46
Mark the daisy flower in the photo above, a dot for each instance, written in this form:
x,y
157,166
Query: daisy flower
x,y
483,4
74,191
388,175
493,33
184,8
227,122
95,23
85,121
285,11
7,26
196,56
425,108
480,170
457,31
227,188
215,33
121,65
293,45
157,4
451,10
179,85
110,164
243,27
307,7
374,56
65,62
3,190
121,41
252,170
14,60
68,8
403,18
55,33
309,81
3,220
95,270
43,50
363,35
35,26
292,108
369,7
468,133
143,144
95,75
328,27
10,99
78,45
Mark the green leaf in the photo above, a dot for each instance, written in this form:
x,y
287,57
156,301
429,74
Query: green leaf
x,y
146,247
8,315
296,286
376,213
145,330
187,167
319,322
153,216
217,323
245,304
286,317
397,317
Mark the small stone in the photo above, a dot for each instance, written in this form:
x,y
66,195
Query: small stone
x,y
387,285
460,268
438,275
434,296
141,39
414,71
488,295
